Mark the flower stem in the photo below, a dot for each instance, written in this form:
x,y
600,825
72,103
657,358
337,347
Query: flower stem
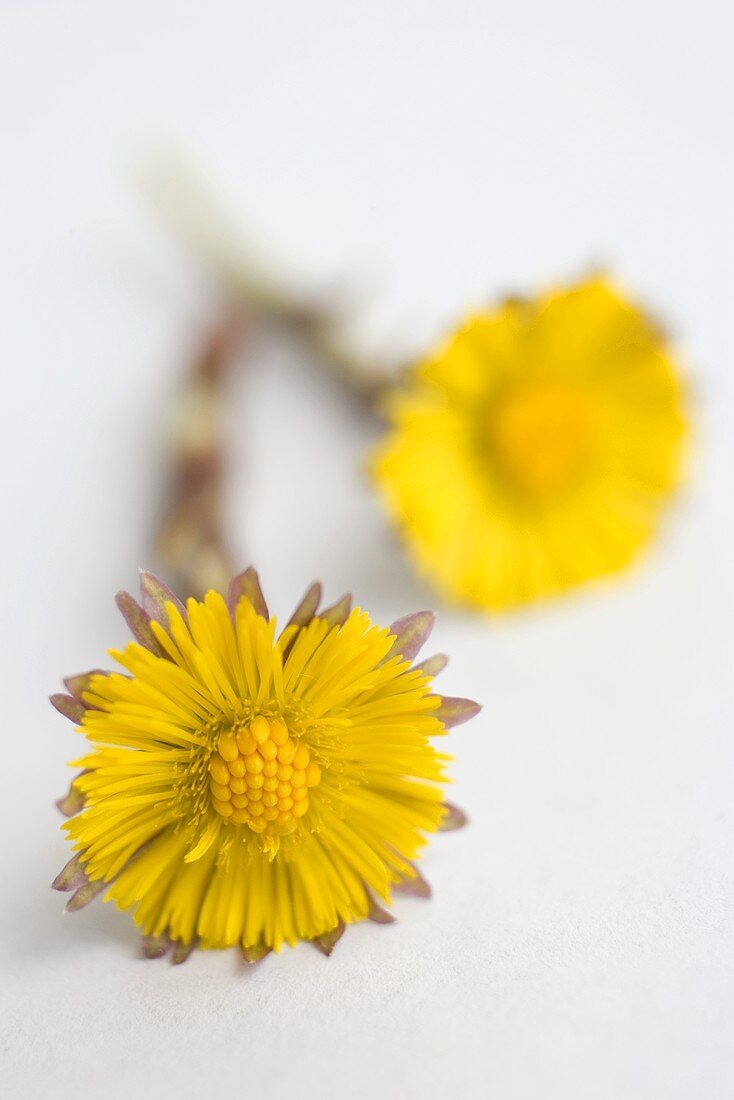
x,y
256,283
192,537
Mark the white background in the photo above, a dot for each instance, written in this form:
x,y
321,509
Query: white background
x,y
579,943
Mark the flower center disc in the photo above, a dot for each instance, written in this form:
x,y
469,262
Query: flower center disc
x,y
540,435
260,777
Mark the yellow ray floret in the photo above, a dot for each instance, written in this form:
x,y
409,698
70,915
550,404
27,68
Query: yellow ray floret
x,y
252,788
536,448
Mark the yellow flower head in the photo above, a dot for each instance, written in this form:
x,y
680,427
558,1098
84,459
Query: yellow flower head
x,y
535,450
254,788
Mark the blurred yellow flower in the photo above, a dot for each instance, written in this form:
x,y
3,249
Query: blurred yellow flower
x,y
535,449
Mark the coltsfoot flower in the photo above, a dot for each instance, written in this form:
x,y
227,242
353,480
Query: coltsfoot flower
x,y
536,448
254,788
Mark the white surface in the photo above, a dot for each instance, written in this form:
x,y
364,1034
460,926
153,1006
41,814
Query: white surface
x,y
579,944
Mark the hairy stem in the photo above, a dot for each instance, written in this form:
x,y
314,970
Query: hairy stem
x,y
192,538
256,284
